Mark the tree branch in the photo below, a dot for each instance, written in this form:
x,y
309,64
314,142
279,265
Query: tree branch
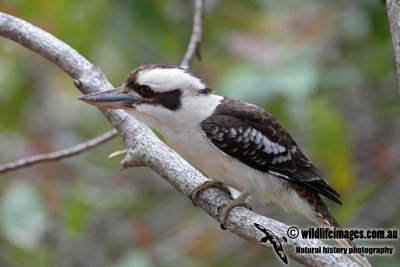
x,y
196,37
144,148
393,10
65,153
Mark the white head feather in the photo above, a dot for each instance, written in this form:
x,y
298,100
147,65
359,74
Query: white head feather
x,y
167,79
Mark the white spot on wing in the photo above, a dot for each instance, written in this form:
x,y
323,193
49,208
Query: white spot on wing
x,y
246,133
271,147
258,138
266,144
253,134
232,132
281,158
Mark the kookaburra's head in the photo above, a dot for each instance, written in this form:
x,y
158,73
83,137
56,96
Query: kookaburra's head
x,y
153,92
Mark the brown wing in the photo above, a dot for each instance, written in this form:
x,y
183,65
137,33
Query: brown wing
x,y
251,135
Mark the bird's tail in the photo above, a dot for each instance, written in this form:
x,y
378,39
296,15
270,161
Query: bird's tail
x,y
319,213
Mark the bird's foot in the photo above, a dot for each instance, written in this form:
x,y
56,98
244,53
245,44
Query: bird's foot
x,y
227,208
196,192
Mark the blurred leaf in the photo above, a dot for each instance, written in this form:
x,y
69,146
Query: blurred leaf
x,y
15,91
353,201
330,143
295,79
136,258
75,215
24,218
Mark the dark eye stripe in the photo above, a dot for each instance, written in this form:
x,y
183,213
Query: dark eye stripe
x,y
170,100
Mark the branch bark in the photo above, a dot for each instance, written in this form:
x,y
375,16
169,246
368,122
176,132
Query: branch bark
x,y
393,10
144,148
196,37
57,155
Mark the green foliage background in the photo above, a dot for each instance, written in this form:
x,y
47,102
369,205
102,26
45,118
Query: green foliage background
x,y
325,69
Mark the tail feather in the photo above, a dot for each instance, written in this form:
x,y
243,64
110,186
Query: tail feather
x,y
321,215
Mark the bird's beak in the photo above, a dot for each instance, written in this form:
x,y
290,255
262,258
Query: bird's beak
x,y
111,99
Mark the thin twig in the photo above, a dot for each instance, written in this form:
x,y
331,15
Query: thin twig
x,y
196,37
393,10
65,153
144,146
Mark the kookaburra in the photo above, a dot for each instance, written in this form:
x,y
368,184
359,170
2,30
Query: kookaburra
x,y
233,142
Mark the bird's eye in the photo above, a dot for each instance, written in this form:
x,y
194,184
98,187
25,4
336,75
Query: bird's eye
x,y
145,91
